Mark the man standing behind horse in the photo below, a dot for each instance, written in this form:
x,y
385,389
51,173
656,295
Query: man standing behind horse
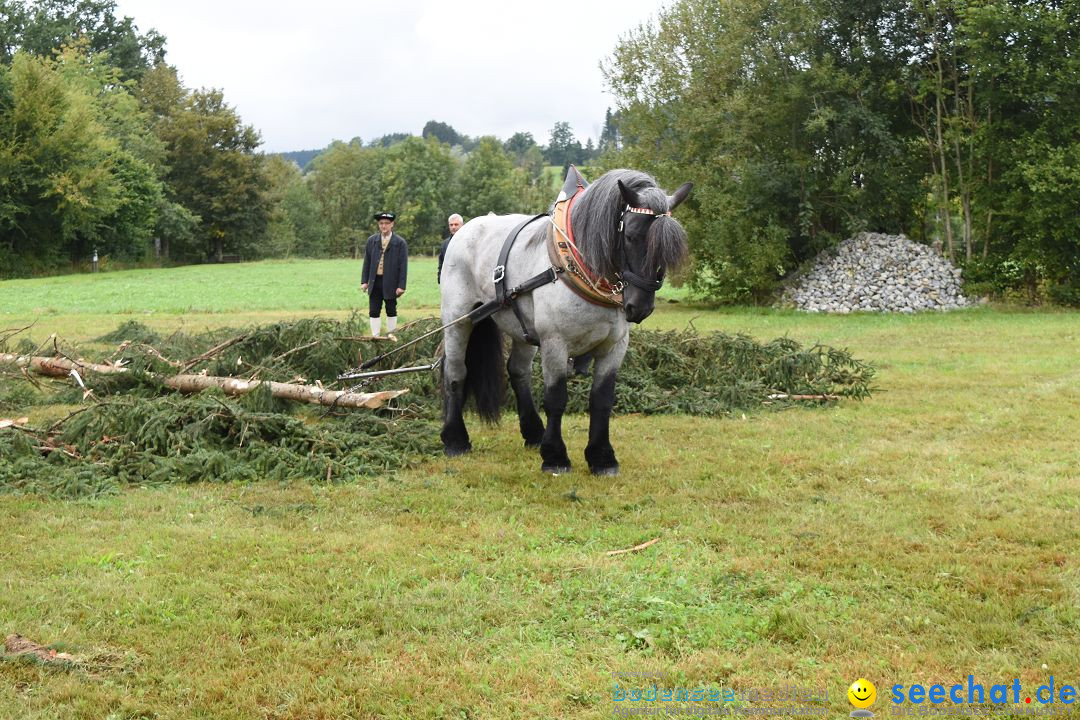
x,y
386,265
454,222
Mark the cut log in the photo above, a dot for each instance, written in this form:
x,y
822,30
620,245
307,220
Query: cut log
x,y
62,367
56,366
300,393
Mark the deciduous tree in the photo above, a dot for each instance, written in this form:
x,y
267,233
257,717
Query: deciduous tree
x,y
212,167
61,171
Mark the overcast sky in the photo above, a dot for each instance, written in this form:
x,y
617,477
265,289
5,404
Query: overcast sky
x,y
309,72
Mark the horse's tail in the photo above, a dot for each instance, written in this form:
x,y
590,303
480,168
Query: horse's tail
x,y
484,370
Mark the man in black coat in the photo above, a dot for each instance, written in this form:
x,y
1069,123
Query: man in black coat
x,y
454,222
386,265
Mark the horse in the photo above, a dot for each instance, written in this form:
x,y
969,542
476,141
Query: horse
x,y
600,273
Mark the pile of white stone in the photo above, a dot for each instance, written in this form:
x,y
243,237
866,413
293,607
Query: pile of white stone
x,y
876,272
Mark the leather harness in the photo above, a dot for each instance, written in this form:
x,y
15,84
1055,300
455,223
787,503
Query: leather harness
x,y
566,262
565,256
505,297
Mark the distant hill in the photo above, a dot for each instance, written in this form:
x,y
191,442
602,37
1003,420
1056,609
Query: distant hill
x,y
300,157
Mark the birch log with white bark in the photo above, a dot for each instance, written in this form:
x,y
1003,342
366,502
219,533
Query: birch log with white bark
x,y
300,393
57,366
62,367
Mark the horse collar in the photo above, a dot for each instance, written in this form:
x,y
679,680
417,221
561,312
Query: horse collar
x,y
565,255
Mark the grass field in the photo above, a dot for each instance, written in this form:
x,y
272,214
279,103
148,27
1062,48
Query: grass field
x,y
922,536
272,286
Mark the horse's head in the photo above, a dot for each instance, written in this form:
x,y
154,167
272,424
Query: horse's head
x,y
648,242
623,227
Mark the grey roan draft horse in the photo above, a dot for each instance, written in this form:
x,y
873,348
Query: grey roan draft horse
x,y
622,227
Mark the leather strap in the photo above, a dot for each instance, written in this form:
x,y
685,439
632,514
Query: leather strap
x,y
505,297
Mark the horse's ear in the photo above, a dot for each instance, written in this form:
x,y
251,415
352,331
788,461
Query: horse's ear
x,y
629,195
680,195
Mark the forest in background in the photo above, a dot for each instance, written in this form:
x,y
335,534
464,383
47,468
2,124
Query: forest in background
x,y
956,122
104,150
953,121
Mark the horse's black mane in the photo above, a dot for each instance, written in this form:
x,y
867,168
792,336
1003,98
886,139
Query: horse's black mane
x,y
596,215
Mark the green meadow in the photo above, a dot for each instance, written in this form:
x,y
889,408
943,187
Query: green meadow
x,y
923,535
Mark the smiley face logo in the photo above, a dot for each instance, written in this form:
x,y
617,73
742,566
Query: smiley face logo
x,y
862,693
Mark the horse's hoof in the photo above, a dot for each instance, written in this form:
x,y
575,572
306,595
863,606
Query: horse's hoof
x,y
455,451
609,470
556,469
532,444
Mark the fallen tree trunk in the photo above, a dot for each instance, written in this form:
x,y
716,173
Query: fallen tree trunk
x,y
300,393
62,367
57,366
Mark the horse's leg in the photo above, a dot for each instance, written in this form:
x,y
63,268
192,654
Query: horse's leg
x,y
553,357
599,453
519,365
454,436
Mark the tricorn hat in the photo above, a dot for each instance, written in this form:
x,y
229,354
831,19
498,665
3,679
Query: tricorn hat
x,y
385,216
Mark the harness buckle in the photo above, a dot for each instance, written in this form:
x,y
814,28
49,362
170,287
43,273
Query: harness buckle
x,y
498,274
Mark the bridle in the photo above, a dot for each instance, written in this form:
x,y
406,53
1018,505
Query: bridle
x,y
625,275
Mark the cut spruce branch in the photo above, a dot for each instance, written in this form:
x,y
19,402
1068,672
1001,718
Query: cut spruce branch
x,y
151,350
61,367
214,351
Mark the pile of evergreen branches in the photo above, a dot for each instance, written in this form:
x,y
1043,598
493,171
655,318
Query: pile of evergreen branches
x,y
204,437
132,431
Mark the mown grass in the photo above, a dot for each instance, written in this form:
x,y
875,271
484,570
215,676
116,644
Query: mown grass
x,y
921,536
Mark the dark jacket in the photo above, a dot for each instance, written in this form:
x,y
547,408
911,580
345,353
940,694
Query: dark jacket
x,y
442,256
395,268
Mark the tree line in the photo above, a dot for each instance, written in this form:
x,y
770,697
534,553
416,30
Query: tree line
x,y
424,178
104,151
956,122
953,121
